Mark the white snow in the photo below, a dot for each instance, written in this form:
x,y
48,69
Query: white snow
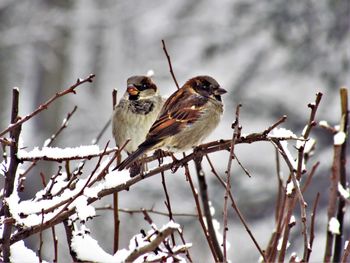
x,y
323,123
279,245
292,220
345,193
20,253
84,211
290,187
339,138
334,226
32,208
88,249
60,153
281,133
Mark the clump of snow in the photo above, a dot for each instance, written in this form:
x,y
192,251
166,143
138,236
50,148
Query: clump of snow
x,y
339,138
88,249
212,208
279,245
292,220
323,123
290,187
282,132
20,253
334,226
59,153
345,193
295,257
84,211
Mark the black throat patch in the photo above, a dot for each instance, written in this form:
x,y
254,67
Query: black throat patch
x,y
141,106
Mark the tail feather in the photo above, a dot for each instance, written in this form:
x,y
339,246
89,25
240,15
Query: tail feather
x,y
131,158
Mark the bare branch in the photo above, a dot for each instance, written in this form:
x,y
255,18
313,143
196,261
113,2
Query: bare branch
x,y
10,175
45,105
170,66
342,179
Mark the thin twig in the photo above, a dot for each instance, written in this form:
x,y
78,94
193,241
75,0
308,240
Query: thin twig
x,y
150,211
168,204
236,209
203,190
344,258
332,200
45,105
170,66
312,226
69,234
55,244
41,238
236,131
116,219
309,177
342,180
200,214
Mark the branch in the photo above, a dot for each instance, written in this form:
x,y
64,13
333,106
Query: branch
x,y
47,103
10,176
47,143
200,214
68,158
205,148
203,190
235,207
342,180
160,236
170,66
236,133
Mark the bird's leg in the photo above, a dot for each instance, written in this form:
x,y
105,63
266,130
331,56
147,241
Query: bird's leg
x,y
175,164
160,154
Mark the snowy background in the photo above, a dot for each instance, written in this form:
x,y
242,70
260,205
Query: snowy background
x,y
272,56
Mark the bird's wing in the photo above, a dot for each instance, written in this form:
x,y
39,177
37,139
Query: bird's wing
x,y
183,108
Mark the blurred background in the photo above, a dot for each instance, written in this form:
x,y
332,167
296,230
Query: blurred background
x,y
272,56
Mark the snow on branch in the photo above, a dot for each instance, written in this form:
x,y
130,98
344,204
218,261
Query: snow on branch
x,y
150,247
61,154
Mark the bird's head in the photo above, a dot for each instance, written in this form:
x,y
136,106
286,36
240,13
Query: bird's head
x,y
140,87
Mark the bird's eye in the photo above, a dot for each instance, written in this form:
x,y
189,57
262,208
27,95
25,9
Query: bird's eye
x,y
142,87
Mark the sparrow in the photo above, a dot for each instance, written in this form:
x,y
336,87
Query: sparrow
x,y
136,112
187,117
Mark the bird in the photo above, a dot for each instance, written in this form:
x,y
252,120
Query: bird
x,y
136,112
187,117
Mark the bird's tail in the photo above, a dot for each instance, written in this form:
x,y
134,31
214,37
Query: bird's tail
x,y
132,158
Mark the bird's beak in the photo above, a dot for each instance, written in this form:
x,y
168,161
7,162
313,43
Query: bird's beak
x,y
132,90
220,91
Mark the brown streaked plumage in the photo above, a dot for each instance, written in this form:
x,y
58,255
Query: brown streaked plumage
x,y
188,116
